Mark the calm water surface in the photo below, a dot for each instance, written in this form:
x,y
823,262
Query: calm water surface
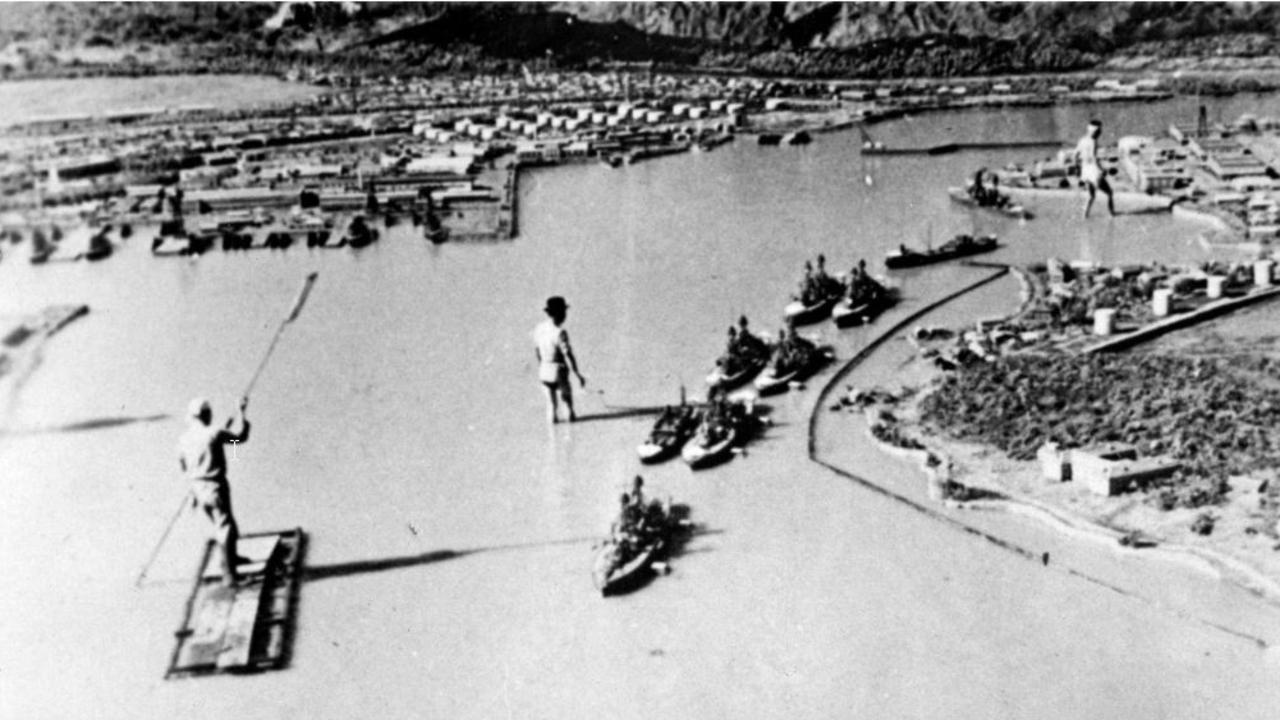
x,y
25,100
400,418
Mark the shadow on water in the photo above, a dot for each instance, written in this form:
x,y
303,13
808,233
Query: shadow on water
x,y
680,547
763,433
360,567
87,425
620,414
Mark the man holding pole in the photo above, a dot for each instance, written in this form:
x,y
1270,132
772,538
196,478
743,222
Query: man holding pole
x,y
204,462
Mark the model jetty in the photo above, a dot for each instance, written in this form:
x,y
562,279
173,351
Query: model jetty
x,y
724,427
960,246
743,358
871,146
819,292
656,150
672,430
794,360
865,298
640,539
875,147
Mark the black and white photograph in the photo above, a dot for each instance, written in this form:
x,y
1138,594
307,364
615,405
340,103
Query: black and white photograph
x,y
630,360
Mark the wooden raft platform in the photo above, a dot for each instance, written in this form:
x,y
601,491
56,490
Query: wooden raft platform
x,y
248,628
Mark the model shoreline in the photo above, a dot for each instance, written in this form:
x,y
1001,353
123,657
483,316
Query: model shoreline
x,y
1230,529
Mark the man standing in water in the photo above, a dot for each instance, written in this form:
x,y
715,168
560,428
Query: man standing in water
x,y
204,461
555,359
1091,173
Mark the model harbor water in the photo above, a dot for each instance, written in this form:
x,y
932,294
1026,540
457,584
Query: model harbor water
x,y
453,556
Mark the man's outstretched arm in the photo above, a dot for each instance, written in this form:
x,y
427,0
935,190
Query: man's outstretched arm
x,y
237,428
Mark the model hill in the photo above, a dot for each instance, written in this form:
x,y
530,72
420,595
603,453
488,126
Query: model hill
x,y
894,39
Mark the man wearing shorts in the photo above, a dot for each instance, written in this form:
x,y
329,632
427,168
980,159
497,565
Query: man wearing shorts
x,y
1091,173
555,359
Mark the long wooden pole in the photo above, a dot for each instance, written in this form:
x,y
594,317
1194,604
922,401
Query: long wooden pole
x,y
294,311
165,536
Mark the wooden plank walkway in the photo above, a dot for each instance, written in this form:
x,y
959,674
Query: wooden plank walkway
x,y
246,628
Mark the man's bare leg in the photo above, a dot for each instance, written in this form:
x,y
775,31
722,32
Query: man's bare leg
x,y
229,556
552,404
1089,203
566,396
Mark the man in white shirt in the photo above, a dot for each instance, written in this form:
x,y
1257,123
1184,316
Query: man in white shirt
x,y
1091,172
555,359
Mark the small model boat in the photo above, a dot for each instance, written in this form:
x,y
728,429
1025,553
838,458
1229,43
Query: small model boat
x,y
627,556
801,314
958,247
1003,204
863,306
99,246
42,248
359,234
737,374
724,425
848,313
434,231
701,453
746,356
794,361
617,569
819,292
672,430
770,381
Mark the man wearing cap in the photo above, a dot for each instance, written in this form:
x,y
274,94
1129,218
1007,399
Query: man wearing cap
x,y
204,462
555,358
1091,172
